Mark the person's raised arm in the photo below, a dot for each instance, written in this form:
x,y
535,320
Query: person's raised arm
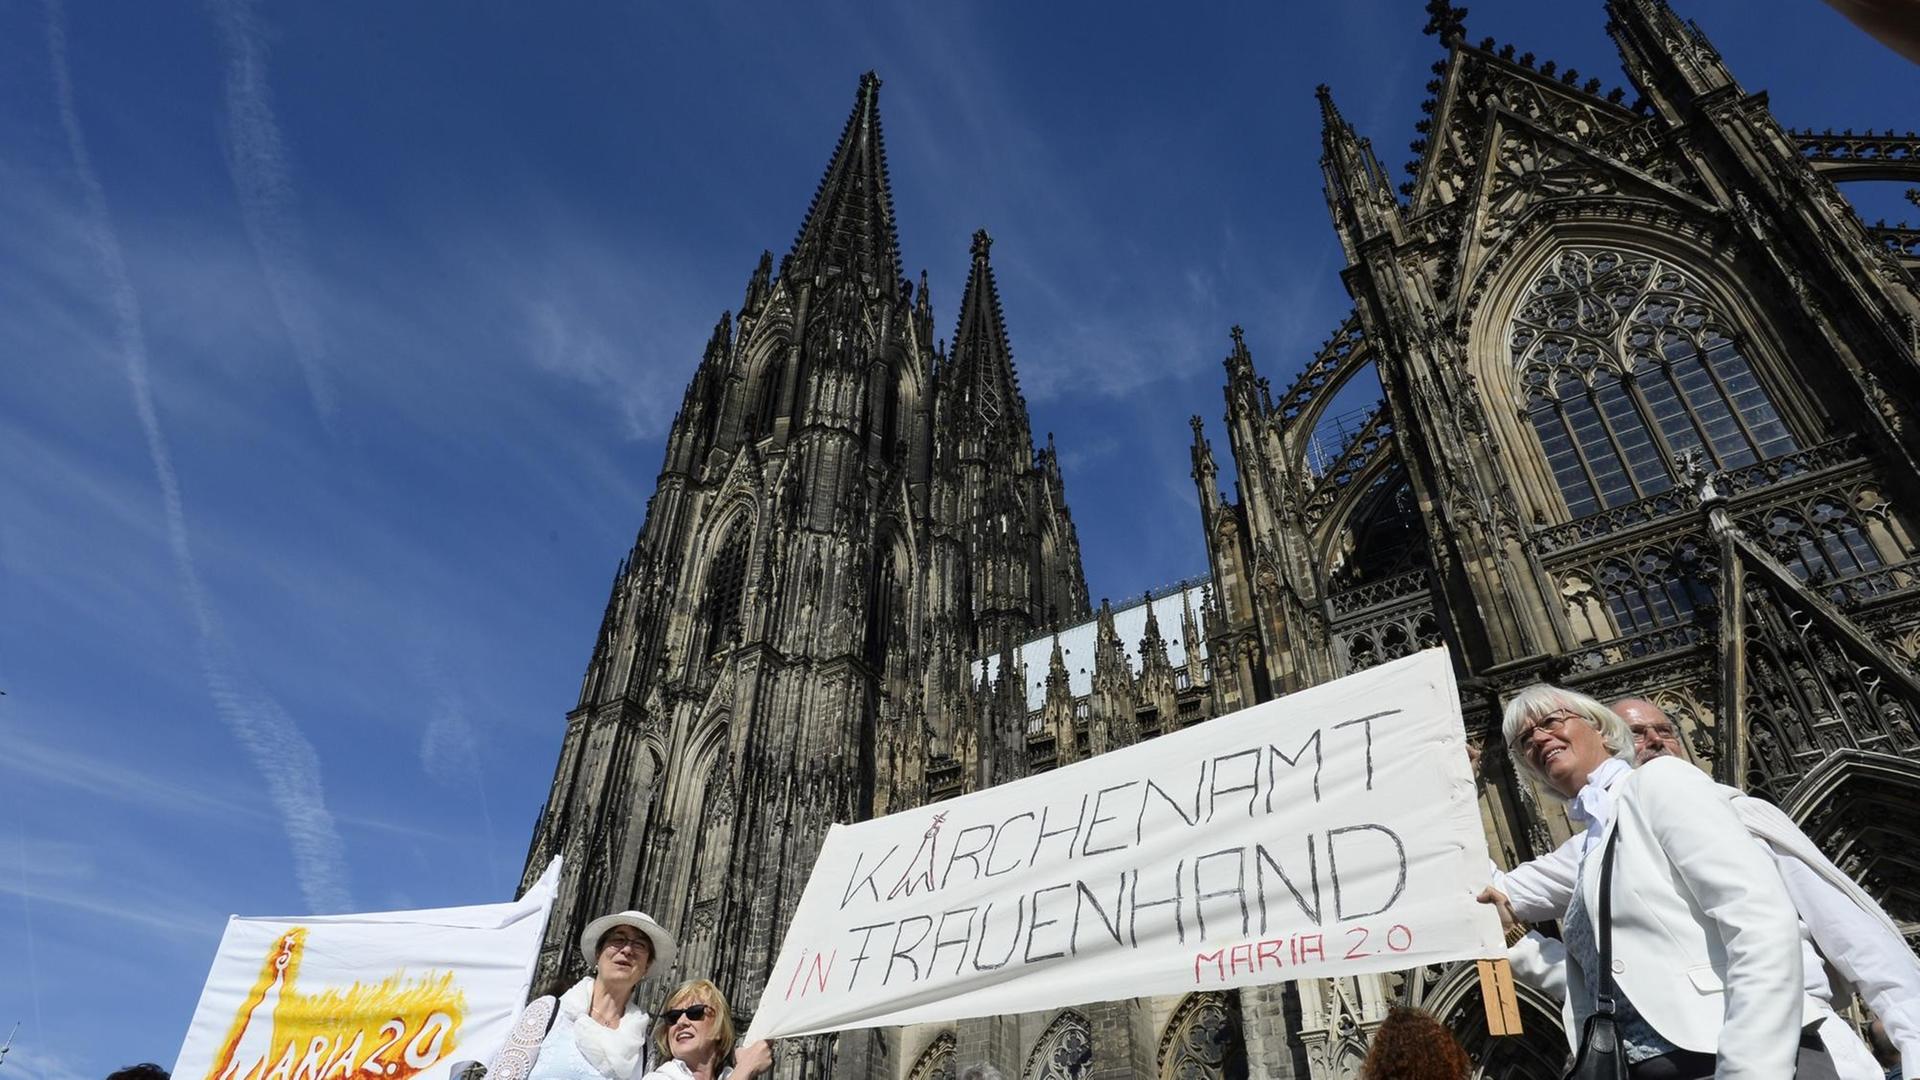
x,y
752,1059
1540,889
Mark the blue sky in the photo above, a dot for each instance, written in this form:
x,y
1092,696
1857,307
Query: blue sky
x,y
342,339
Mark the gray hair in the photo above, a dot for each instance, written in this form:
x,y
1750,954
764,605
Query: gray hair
x,y
1535,701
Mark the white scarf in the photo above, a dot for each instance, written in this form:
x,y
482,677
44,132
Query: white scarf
x,y
675,1069
614,1053
1593,806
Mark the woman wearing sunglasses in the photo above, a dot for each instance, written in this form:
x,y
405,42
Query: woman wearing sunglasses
x,y
695,1036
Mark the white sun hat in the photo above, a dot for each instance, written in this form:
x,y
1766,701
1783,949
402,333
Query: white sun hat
x,y
657,935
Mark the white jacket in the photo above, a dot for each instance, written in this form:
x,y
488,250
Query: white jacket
x,y
1839,924
1706,943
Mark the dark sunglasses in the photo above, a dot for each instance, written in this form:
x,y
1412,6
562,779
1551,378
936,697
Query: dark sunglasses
x,y
695,1013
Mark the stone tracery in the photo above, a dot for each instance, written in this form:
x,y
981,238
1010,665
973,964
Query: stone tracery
x,y
1623,362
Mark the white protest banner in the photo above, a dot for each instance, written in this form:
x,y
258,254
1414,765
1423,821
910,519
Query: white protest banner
x,y
398,995
1331,832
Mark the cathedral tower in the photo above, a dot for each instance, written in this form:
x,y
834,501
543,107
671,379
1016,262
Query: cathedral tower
x,y
845,518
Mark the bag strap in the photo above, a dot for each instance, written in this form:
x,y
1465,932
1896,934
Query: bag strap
x,y
1608,992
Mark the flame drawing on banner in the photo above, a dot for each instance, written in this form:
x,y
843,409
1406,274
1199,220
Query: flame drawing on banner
x,y
392,1029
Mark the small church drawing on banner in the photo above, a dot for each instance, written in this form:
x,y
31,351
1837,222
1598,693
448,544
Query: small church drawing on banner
x,y
1648,424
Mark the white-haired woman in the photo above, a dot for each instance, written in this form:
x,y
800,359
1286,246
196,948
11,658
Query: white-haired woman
x,y
596,1030
1705,942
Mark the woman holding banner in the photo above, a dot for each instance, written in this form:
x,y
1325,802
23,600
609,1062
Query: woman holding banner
x,y
695,1036
1705,947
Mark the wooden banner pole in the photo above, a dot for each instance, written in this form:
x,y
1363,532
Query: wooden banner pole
x,y
1496,991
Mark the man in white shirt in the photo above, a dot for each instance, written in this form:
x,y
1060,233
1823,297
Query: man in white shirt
x,y
1840,926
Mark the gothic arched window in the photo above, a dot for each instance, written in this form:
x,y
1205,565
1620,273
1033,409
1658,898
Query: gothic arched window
x,y
937,1063
1658,585
1064,1050
882,608
766,403
883,406
1820,542
1202,1040
713,842
726,588
1625,361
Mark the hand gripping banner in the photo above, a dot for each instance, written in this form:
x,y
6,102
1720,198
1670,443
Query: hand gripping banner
x,y
398,995
1334,831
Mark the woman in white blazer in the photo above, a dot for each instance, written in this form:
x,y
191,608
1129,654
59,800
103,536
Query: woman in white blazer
x,y
1706,944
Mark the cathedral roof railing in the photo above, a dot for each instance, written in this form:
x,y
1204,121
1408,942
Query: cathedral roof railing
x,y
1869,155
1843,451
1079,643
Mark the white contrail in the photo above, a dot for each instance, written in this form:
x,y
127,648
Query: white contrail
x,y
284,757
257,161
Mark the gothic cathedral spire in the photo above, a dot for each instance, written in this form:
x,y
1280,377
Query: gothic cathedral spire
x,y
1000,503
980,369
849,228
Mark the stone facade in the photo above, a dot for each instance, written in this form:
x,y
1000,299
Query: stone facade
x,y
1645,429
1646,426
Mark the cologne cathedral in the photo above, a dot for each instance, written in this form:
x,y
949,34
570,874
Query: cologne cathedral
x,y
1647,425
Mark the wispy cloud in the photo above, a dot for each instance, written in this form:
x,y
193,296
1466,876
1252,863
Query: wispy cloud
x,y
38,1064
450,748
66,874
564,340
52,859
180,924
285,758
263,178
105,779
1114,358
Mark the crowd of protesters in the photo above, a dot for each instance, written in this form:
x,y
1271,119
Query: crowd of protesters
x,y
1701,935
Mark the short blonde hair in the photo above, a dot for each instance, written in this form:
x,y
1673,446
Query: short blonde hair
x,y
1536,701
701,992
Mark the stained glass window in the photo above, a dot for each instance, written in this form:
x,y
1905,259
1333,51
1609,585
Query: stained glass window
x,y
1624,362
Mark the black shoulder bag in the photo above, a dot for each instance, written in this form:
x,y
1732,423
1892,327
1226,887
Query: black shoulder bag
x,y
1601,1056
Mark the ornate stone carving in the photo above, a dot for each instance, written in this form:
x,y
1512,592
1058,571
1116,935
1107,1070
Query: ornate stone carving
x,y
1202,1040
937,1061
1063,1051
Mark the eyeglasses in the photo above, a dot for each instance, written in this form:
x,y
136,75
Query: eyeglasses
x,y
616,944
695,1013
1662,731
1550,723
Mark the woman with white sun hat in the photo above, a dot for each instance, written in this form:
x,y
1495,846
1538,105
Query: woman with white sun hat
x,y
595,1030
